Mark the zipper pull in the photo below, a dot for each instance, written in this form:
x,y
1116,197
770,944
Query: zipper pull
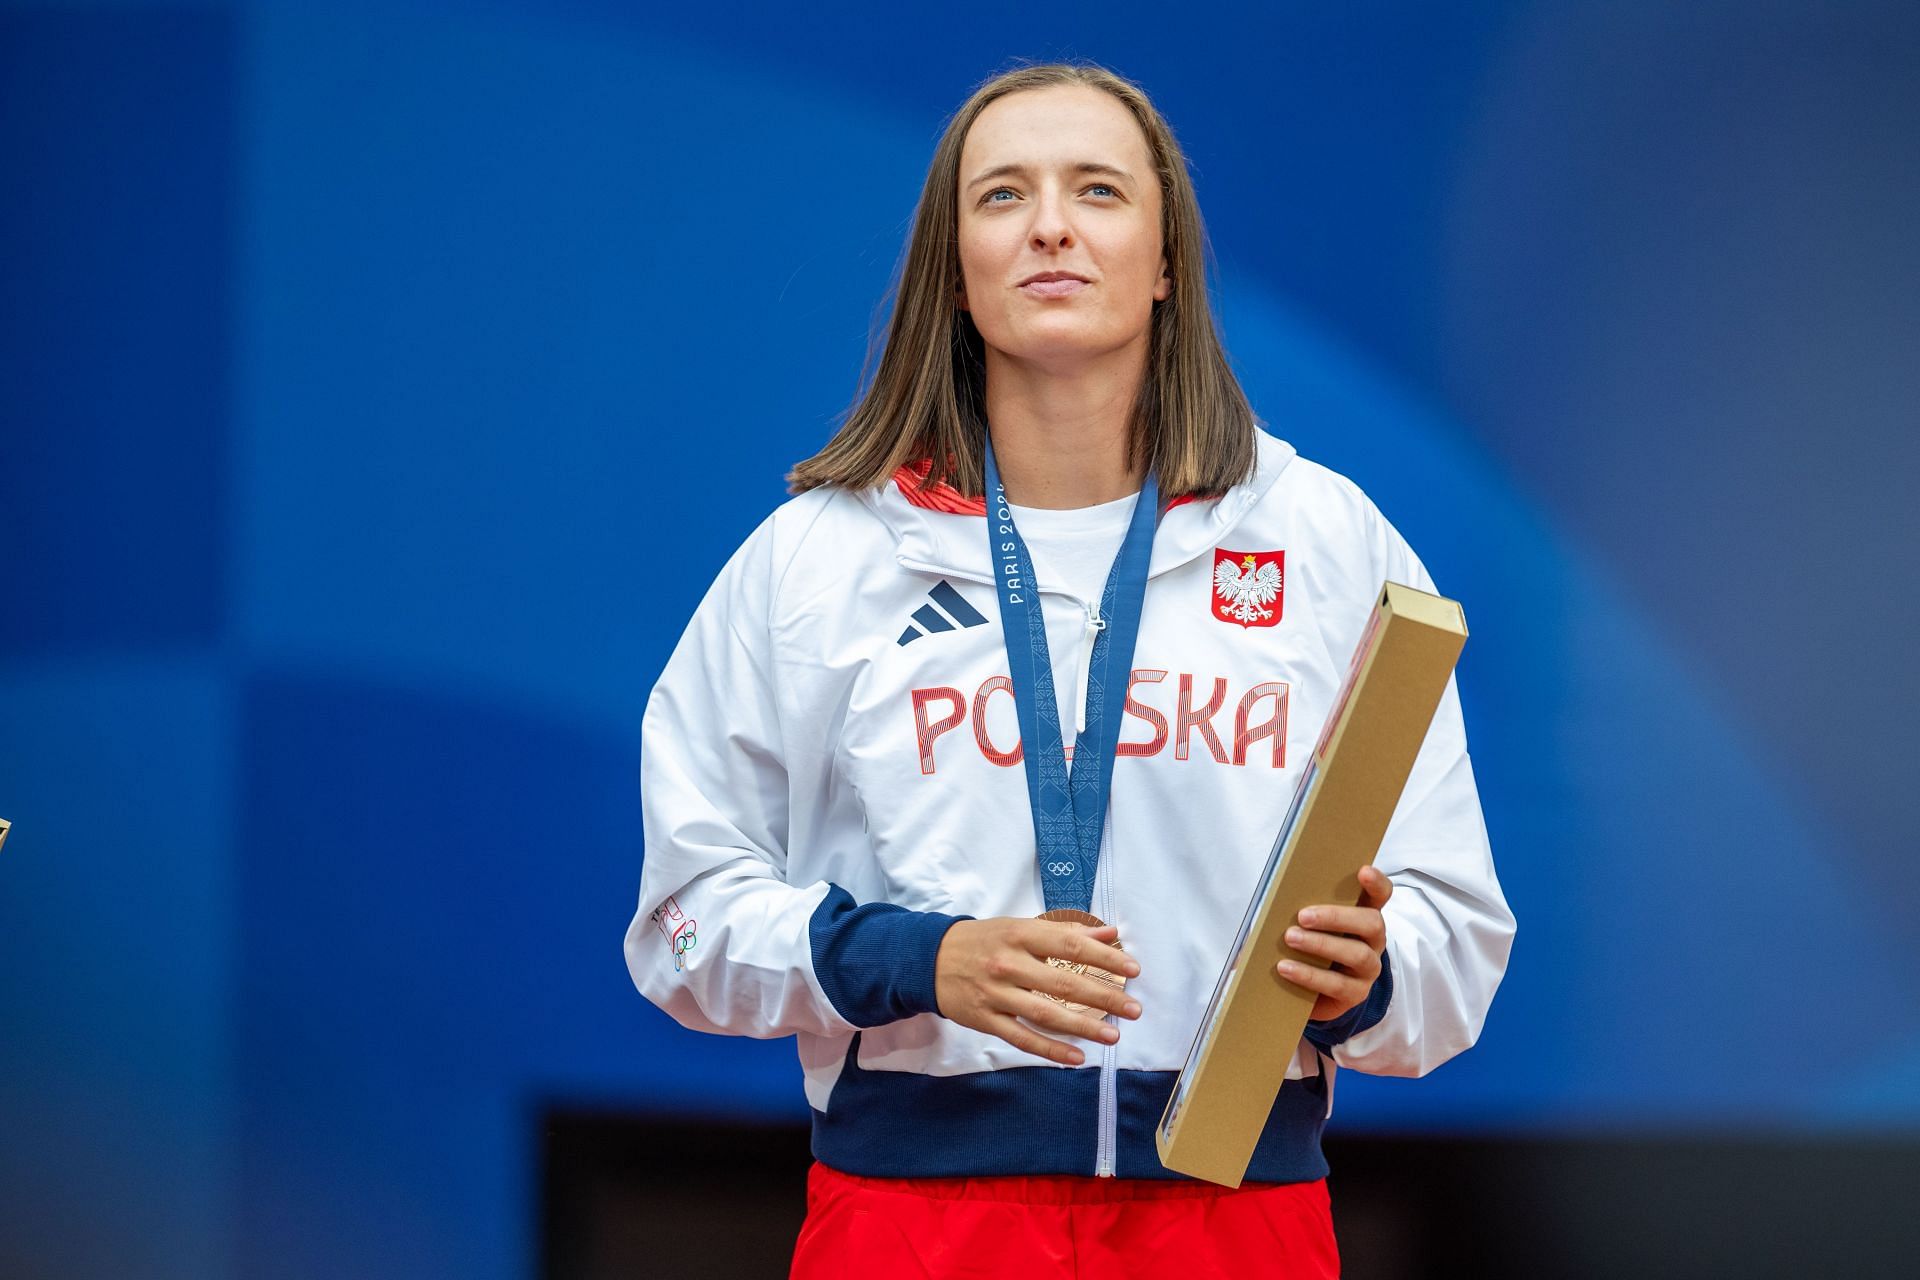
x,y
1095,625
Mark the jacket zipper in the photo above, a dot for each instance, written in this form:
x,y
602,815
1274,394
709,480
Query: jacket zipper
x,y
1106,1137
1095,625
1109,1104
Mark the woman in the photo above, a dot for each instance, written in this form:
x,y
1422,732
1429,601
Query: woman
x,y
1052,522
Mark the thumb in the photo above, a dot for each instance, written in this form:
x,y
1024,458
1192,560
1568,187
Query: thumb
x,y
1375,887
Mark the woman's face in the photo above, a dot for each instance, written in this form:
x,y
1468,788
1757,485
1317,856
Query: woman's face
x,y
1059,180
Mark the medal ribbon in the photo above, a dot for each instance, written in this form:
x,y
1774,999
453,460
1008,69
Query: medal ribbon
x,y
1068,810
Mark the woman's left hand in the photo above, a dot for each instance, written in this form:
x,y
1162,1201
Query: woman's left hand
x,y
1351,937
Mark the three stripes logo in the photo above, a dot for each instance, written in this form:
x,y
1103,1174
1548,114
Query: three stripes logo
x,y
944,610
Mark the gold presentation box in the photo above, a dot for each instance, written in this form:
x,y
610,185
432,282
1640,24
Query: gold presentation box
x,y
1340,810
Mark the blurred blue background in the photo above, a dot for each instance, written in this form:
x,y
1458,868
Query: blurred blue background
x,y
382,384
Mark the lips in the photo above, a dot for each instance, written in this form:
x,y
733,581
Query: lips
x,y
1053,284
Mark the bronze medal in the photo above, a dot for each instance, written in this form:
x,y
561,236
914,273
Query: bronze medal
x,y
1067,915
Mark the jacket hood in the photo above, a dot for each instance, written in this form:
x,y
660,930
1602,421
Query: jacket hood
x,y
936,528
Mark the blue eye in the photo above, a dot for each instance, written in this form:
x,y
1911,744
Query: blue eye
x,y
988,198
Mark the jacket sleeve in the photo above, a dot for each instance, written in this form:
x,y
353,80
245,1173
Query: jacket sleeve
x,y
1449,929
721,940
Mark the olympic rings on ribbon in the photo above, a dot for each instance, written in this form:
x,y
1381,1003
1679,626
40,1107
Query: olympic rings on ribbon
x,y
1059,868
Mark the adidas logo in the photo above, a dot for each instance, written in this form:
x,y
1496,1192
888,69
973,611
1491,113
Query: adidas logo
x,y
945,610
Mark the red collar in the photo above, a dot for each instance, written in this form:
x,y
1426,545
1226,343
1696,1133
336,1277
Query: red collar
x,y
911,481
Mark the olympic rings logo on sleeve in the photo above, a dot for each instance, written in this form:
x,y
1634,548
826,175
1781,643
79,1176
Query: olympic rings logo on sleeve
x,y
683,940
680,930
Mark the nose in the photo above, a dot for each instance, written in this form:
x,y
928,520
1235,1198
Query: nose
x,y
1052,227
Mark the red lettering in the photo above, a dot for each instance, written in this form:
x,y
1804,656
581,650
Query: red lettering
x,y
1186,718
925,733
940,710
1005,759
1152,746
1274,726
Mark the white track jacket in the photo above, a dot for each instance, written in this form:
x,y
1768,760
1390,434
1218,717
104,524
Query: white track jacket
x,y
831,776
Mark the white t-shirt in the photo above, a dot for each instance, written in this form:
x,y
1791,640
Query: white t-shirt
x,y
1072,550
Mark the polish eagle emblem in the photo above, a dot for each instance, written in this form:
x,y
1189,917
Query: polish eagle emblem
x,y
1245,583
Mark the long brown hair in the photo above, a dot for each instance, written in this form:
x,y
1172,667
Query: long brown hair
x,y
1191,421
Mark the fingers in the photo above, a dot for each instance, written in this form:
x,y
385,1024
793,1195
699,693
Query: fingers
x,y
1376,887
1076,988
1026,1000
998,980
1353,953
1050,1016
1344,987
1030,1007
1080,944
1350,939
1362,922
1022,1037
1084,945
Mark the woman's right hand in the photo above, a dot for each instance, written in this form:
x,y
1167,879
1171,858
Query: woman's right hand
x,y
989,974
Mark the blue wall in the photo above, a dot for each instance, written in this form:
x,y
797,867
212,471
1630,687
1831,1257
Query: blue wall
x,y
363,370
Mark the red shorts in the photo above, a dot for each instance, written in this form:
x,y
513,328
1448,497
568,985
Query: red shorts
x,y
1044,1228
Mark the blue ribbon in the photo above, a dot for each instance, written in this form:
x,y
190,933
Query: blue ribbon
x,y
1068,810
